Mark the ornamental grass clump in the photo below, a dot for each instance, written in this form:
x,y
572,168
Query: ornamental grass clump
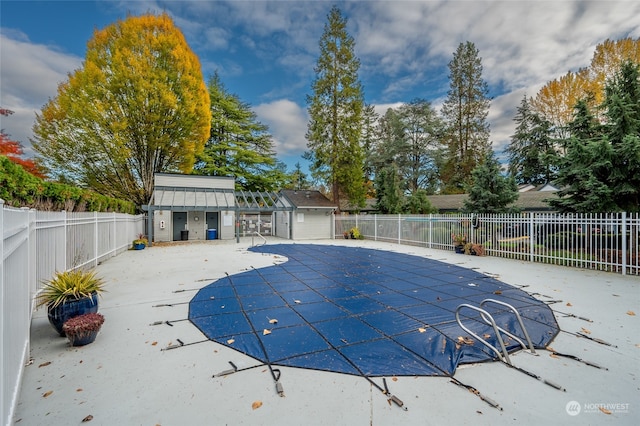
x,y
70,285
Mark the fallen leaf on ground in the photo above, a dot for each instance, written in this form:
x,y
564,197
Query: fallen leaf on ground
x,y
637,345
422,330
79,390
569,304
256,405
631,313
585,331
604,410
46,394
497,292
273,321
265,332
297,301
230,341
44,364
486,336
395,379
87,419
154,343
552,355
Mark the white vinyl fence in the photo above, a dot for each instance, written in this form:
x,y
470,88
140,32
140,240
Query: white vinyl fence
x,y
607,242
34,245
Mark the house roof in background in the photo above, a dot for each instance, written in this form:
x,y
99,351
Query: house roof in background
x,y
303,198
527,201
530,200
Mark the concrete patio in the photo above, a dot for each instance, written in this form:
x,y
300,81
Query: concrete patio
x,y
130,376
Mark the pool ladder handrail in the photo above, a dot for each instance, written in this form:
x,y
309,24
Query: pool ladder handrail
x,y
519,318
504,356
488,318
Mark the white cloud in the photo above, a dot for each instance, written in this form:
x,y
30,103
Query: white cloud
x,y
30,76
287,123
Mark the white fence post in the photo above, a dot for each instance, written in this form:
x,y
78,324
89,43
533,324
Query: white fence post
x,y
375,227
5,412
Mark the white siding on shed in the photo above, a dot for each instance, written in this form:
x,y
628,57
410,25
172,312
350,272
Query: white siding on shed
x,y
316,225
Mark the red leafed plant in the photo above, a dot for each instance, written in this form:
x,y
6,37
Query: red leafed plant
x,y
13,150
83,324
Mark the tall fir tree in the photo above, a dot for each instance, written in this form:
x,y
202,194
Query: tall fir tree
x,y
465,114
531,152
336,110
238,145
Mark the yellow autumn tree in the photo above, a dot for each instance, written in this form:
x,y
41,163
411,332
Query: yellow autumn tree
x,y
138,105
557,99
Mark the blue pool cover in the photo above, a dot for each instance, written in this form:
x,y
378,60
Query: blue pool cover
x,y
362,311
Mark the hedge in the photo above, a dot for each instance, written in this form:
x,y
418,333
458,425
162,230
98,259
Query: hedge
x,y
18,188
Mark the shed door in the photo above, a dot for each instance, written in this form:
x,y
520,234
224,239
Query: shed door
x,y
179,224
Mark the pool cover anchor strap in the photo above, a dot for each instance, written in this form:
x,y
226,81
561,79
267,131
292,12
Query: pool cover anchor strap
x,y
392,398
276,377
476,392
575,358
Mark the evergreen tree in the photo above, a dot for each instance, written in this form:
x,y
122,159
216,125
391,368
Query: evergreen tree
x,y
238,144
336,111
622,131
389,194
490,192
531,152
581,171
299,178
601,170
465,113
418,203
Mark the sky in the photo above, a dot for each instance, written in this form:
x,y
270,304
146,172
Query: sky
x,y
265,51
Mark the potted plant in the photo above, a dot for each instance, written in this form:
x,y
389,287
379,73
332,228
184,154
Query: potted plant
x,y
83,329
459,241
69,294
474,249
355,233
140,243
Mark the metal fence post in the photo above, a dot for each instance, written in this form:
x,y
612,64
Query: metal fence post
x,y
399,229
532,245
624,243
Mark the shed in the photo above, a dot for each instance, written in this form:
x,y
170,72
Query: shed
x,y
192,207
311,217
